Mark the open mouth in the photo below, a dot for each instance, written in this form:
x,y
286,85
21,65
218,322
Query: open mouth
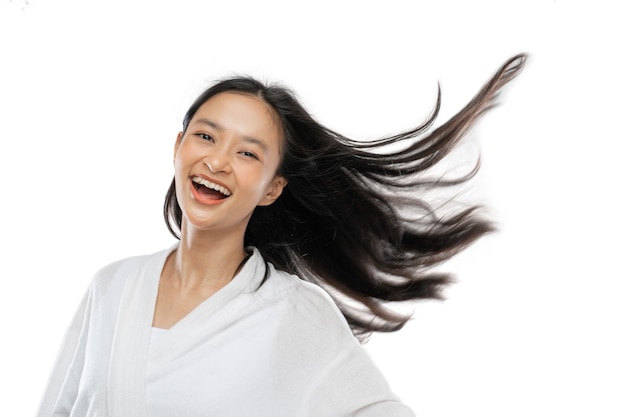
x,y
210,190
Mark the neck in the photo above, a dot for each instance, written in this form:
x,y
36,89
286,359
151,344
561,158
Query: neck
x,y
206,259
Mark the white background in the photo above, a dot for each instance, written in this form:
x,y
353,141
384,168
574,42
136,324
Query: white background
x,y
92,95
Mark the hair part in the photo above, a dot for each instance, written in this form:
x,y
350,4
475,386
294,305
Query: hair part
x,y
351,218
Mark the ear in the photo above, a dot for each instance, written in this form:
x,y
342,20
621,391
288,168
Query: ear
x,y
274,190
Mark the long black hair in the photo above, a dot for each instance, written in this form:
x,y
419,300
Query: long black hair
x,y
353,218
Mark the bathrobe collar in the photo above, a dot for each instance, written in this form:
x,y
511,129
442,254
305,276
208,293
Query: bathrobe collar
x,y
131,350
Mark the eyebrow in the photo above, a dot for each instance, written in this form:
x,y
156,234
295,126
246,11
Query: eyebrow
x,y
248,139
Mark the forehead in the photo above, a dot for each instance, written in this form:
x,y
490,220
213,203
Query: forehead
x,y
240,113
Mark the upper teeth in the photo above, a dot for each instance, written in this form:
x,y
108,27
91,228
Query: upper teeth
x,y
211,185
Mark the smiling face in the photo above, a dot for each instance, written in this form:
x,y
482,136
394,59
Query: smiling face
x,y
226,162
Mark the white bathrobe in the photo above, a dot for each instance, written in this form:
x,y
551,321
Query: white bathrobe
x,y
277,349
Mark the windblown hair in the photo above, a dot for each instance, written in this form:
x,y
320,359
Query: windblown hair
x,y
353,217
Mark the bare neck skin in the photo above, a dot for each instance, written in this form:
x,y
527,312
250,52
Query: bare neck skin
x,y
206,259
202,264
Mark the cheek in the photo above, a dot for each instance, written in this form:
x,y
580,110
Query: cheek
x,y
177,169
252,176
271,169
184,155
181,168
256,179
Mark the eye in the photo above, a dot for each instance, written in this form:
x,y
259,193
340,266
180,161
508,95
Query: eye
x,y
248,154
205,136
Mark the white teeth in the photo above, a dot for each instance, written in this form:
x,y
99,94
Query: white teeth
x,y
211,185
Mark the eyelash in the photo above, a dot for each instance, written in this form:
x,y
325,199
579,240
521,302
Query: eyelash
x,y
207,137
249,154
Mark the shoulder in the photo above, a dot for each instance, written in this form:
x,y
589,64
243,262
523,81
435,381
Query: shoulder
x,y
303,293
118,272
309,308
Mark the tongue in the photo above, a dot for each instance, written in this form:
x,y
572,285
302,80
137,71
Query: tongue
x,y
212,194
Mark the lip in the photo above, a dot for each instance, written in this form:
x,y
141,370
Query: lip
x,y
203,199
213,180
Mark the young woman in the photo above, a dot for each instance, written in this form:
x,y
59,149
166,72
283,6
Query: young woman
x,y
292,240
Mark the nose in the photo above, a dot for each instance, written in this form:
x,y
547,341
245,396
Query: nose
x,y
217,162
